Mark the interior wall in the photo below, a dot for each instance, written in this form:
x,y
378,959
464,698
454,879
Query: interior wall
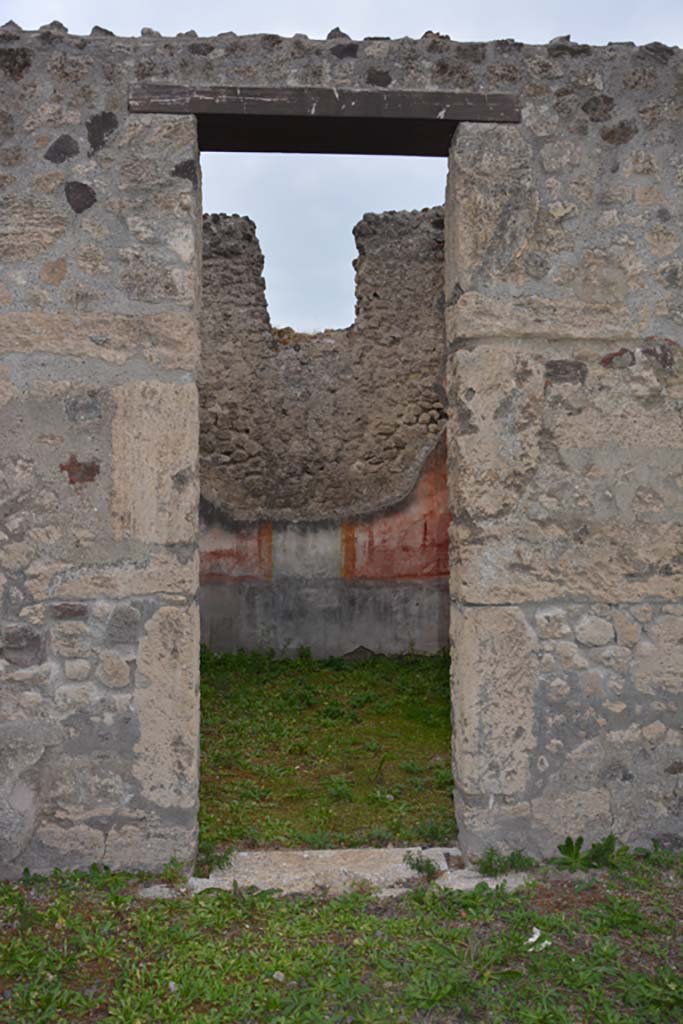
x,y
323,464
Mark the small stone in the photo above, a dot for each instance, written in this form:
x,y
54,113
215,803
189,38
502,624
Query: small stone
x,y
97,30
377,76
592,631
615,657
592,682
187,169
619,133
79,196
83,406
69,610
278,976
76,668
569,655
654,731
342,50
599,108
551,623
172,987
150,32
22,646
61,149
54,26
336,33
124,625
14,63
71,639
558,690
563,45
113,671
560,211
76,695
660,51
643,162
643,612
53,272
99,127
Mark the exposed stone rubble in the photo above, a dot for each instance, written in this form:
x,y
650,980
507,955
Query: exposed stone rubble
x,y
357,410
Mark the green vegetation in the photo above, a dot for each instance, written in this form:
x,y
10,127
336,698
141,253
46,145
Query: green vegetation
x,y
493,863
304,753
603,854
297,752
83,947
422,865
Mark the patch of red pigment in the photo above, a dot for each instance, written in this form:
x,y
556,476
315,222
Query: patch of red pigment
x,y
408,543
80,472
245,554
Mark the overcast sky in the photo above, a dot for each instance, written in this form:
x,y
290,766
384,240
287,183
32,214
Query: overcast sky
x,y
305,206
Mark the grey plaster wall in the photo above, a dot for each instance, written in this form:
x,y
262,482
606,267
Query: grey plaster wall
x,y
331,617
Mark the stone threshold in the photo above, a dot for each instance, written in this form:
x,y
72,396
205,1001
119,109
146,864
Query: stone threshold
x,y
384,871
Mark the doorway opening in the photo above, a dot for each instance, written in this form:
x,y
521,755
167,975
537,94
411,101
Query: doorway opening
x,y
326,532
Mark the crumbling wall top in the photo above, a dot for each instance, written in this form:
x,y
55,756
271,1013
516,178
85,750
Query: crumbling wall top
x,y
434,61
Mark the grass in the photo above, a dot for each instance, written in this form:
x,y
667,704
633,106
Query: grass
x,y
492,863
303,753
83,947
297,752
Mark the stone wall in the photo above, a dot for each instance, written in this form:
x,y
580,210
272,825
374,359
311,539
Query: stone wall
x,y
323,480
99,281
564,257
566,382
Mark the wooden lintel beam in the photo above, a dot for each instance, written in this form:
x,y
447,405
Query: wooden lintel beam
x,y
324,120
